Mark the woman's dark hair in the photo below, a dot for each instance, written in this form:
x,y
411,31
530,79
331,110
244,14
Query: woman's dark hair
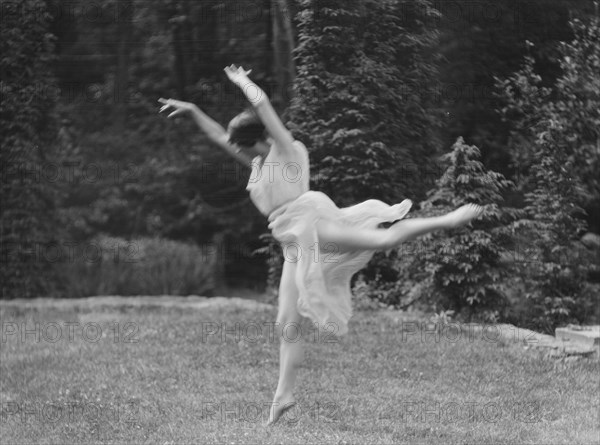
x,y
246,129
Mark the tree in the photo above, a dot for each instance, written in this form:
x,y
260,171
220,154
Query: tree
x,y
360,100
27,213
124,33
555,140
456,270
358,104
284,67
465,267
481,40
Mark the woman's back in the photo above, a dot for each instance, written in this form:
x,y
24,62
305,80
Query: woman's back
x,y
279,179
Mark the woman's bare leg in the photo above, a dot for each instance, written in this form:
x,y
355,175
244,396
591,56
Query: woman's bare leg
x,y
347,238
290,350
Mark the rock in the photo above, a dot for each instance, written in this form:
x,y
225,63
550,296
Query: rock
x,y
591,240
584,335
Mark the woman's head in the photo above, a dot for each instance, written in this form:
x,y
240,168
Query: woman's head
x,y
246,129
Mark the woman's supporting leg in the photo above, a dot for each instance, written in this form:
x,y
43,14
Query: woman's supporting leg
x,y
347,238
290,349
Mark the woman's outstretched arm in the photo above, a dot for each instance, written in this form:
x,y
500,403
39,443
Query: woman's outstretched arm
x,y
213,129
258,98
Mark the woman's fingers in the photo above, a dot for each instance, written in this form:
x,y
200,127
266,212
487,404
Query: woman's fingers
x,y
176,112
172,102
179,106
236,70
167,104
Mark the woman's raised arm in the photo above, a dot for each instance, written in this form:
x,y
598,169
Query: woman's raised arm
x,y
258,98
213,129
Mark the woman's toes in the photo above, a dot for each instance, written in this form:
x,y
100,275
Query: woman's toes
x,y
464,214
278,409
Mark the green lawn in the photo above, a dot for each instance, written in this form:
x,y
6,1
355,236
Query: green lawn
x,y
153,378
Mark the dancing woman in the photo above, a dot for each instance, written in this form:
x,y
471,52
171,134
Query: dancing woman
x,y
304,222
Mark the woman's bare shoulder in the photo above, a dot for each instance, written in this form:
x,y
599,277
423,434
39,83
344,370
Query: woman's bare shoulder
x,y
299,145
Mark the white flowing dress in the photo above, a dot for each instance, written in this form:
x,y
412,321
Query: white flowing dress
x,y
280,190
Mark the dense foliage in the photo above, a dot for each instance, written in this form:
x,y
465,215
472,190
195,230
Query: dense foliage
x,y
465,269
368,61
27,201
459,270
522,265
556,144
381,89
157,178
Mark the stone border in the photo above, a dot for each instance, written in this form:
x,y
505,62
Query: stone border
x,y
554,347
191,302
507,333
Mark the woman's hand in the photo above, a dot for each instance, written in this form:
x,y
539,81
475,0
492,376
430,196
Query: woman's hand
x,y
179,106
238,76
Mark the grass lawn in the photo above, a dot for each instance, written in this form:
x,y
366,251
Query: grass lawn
x,y
149,374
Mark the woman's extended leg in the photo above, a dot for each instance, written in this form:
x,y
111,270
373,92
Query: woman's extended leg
x,y
347,238
290,349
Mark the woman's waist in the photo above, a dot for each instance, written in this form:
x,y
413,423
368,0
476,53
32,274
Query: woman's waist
x,y
282,208
279,209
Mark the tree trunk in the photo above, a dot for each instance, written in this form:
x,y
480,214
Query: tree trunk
x,y
125,31
283,62
278,73
206,51
268,58
286,20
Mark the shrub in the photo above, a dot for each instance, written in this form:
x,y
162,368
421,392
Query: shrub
x,y
464,264
144,266
458,270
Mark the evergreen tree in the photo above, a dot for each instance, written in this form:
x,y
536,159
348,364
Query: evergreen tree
x,y
360,100
464,264
27,221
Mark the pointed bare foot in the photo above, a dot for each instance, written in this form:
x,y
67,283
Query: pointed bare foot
x,y
278,409
464,215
